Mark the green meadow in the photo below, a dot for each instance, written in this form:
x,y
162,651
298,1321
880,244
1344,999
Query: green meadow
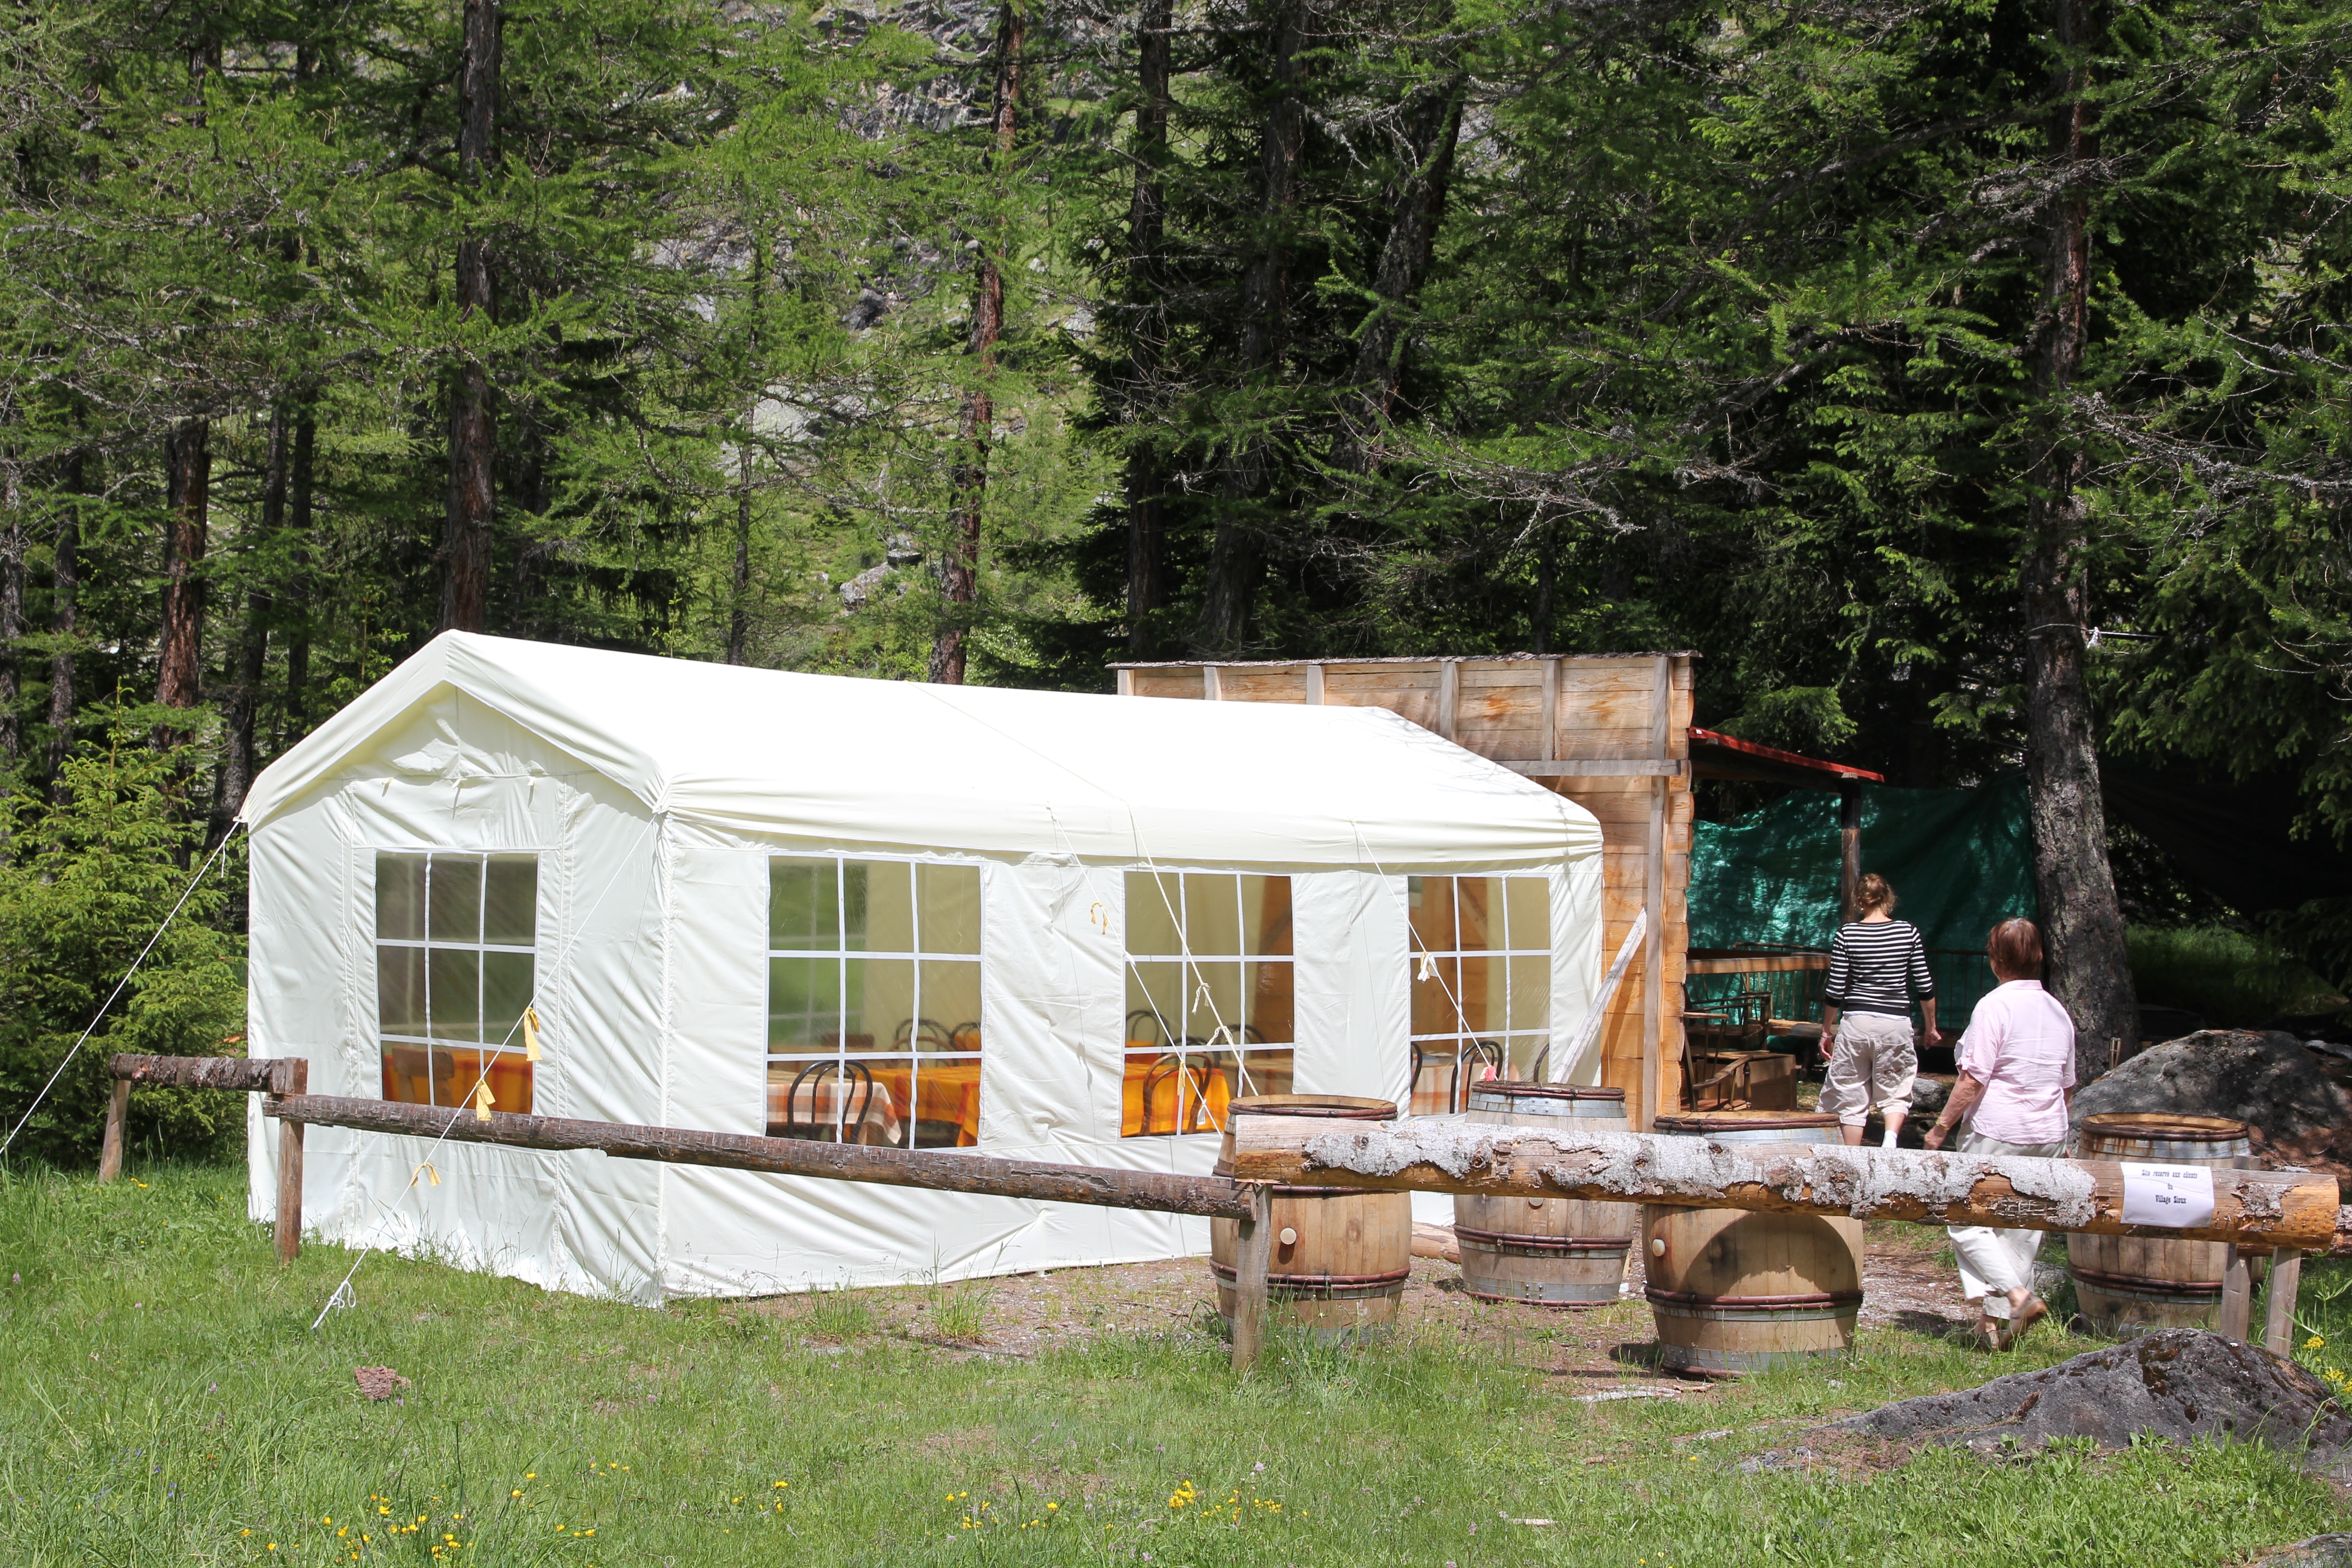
x,y
166,1401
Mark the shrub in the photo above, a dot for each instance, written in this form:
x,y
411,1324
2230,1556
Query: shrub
x,y
85,885
2230,977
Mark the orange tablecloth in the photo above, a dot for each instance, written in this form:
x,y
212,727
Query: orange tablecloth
x,y
415,1076
1202,1104
949,1091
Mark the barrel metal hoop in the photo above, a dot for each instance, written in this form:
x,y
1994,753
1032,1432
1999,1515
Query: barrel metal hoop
x,y
1543,1243
2144,1284
1757,1303
1324,1286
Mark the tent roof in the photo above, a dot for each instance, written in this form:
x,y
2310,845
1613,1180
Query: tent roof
x,y
986,769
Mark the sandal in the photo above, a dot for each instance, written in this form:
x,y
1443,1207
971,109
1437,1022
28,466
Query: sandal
x,y
2032,1312
1989,1335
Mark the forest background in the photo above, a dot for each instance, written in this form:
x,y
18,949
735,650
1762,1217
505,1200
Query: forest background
x,y
1965,380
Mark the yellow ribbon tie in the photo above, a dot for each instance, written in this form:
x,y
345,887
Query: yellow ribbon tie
x,y
426,1173
531,1034
483,1101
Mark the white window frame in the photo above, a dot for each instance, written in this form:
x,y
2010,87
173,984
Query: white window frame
x,y
1459,1042
841,1055
1228,1038
514,1045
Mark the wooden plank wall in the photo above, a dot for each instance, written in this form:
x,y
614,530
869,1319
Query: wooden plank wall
x,y
1632,710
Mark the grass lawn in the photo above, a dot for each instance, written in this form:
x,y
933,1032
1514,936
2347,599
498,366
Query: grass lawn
x,y
165,1401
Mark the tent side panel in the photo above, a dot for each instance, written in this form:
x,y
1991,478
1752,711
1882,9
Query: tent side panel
x,y
1354,985
1053,993
718,943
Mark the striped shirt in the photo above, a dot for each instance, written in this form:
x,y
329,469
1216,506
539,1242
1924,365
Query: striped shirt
x,y
1875,966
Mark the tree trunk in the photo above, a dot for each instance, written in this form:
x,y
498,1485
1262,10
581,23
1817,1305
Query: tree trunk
x,y
2089,971
739,608
473,427
188,470
12,623
738,613
239,758
1147,336
301,479
960,562
1405,258
65,587
1237,557
1547,576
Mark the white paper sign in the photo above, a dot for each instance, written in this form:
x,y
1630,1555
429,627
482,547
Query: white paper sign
x,y
2173,1195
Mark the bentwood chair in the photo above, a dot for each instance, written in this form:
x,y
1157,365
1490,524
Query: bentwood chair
x,y
847,1123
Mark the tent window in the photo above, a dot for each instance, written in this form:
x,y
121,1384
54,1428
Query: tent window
x,y
1481,967
1209,997
454,969
874,1002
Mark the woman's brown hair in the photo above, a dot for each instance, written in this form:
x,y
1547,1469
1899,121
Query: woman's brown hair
x,y
2015,949
1872,893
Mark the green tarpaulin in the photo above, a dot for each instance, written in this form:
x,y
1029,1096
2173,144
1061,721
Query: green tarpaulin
x,y
1960,859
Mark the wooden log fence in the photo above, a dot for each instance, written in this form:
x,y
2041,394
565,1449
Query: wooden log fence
x,y
2266,1208
2283,1213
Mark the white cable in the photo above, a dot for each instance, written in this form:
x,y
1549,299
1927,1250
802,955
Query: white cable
x,y
117,992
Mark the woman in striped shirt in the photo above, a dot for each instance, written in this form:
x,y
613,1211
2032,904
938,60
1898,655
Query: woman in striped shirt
x,y
1876,964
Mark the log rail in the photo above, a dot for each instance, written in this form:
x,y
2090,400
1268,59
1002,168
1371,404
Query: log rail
x,y
2251,1208
2285,1212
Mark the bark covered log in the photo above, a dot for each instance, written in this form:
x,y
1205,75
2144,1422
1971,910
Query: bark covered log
x,y
2267,1208
244,1074
940,1172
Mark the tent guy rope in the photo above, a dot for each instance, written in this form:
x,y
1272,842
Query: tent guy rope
x,y
115,995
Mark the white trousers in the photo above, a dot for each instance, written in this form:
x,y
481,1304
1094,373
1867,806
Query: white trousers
x,y
1995,1262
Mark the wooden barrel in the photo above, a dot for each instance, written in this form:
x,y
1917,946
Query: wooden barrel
x,y
2125,1285
1546,1252
1340,1257
1733,1291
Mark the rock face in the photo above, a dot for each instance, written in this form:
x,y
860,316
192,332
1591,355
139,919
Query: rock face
x,y
2262,1077
2179,1383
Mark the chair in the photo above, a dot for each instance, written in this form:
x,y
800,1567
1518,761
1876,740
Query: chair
x,y
1457,1093
1143,1027
965,1036
1185,1114
856,1100
923,1034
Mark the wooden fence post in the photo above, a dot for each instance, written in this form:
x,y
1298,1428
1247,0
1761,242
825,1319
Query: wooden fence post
x,y
293,1076
1253,1257
110,1156
2237,1296
2286,1279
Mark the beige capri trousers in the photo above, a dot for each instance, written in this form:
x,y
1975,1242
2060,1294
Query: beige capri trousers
x,y
1873,1065
1995,1262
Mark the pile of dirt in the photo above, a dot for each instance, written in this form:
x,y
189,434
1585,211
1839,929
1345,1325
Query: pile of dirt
x,y
2298,1113
2180,1384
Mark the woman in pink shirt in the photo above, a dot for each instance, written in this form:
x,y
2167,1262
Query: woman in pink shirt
x,y
2017,1066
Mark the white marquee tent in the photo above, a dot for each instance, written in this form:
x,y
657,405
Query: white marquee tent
x,y
1041,924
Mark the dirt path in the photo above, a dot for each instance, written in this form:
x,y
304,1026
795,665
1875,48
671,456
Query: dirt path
x,y
1904,1286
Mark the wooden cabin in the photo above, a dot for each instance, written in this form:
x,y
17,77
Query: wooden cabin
x,y
1611,731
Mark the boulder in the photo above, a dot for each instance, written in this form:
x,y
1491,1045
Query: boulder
x,y
2179,1385
2265,1078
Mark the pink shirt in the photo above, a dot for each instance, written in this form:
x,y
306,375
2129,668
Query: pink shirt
x,y
2020,1046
